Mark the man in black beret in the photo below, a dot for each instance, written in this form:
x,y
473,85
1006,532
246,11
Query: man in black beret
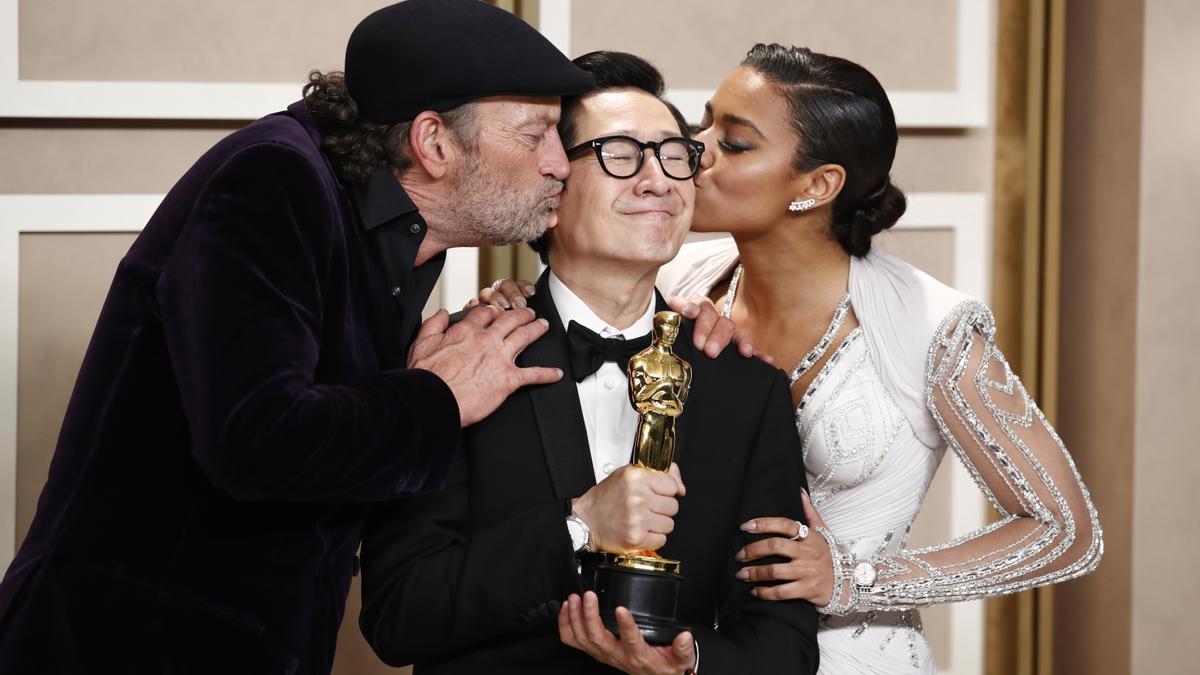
x,y
259,373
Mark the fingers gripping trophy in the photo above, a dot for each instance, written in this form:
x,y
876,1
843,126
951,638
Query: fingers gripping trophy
x,y
643,582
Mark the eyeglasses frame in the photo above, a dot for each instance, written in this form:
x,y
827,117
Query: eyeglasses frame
x,y
596,143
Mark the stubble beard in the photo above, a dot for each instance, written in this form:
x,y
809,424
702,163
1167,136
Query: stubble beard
x,y
491,213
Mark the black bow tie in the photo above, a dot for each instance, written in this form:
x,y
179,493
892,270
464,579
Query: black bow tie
x,y
589,351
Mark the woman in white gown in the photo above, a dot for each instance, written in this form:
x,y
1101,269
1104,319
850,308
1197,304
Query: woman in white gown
x,y
890,367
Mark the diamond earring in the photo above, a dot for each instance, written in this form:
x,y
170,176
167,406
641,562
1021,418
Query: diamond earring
x,y
801,206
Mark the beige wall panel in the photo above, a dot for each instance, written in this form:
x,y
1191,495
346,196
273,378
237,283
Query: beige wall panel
x,y
944,160
64,279
1101,149
932,250
909,45
929,248
1166,465
180,40
99,160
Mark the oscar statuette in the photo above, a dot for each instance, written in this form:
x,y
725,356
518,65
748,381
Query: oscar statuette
x,y
643,582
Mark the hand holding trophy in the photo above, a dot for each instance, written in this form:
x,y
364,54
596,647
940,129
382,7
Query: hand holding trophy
x,y
643,582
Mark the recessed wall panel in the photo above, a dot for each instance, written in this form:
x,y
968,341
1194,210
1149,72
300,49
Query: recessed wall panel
x,y
81,160
185,41
909,45
64,280
944,160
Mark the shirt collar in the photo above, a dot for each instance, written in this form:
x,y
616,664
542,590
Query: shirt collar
x,y
381,199
571,308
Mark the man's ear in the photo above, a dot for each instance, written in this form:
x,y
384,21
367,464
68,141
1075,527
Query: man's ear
x,y
432,144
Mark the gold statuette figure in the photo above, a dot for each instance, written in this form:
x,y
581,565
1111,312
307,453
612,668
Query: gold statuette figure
x,y
658,388
642,581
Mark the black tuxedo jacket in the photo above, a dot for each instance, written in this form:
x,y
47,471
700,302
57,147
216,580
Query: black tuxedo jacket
x,y
469,580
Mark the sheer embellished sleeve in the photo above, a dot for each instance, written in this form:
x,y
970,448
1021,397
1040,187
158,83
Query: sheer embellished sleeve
x,y
1048,530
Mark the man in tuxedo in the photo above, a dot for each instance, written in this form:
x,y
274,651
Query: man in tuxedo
x,y
485,576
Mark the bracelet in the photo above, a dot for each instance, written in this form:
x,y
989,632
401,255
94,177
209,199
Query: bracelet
x,y
841,562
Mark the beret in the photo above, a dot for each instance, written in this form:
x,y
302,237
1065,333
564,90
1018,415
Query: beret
x,y
439,54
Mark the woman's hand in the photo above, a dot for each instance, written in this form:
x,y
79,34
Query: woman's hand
x,y
711,332
807,575
504,293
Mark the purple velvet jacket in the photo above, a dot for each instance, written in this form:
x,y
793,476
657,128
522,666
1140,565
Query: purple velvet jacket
x,y
242,400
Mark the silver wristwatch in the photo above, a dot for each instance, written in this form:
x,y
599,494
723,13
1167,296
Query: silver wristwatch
x,y
581,534
864,575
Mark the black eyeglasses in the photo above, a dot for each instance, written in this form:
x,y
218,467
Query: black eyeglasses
x,y
623,156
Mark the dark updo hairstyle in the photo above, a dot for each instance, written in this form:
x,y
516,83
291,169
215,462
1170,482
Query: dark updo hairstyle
x,y
842,116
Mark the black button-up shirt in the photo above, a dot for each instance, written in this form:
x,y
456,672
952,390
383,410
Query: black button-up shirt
x,y
397,229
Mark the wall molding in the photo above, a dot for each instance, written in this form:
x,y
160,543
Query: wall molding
x,y
966,106
127,100
963,107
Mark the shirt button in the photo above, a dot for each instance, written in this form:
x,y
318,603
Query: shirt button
x,y
415,228
610,383
607,468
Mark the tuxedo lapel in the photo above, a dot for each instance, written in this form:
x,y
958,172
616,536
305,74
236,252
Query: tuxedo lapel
x,y
556,407
683,349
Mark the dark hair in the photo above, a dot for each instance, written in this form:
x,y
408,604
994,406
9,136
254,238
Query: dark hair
x,y
615,70
842,116
610,70
357,148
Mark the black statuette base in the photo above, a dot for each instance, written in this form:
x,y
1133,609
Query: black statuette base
x,y
652,598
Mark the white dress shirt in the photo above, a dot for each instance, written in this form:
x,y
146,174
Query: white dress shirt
x,y
610,419
608,415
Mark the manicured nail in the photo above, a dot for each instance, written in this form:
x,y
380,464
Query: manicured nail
x,y
743,574
544,322
573,601
520,302
749,526
529,290
690,310
741,555
589,600
503,302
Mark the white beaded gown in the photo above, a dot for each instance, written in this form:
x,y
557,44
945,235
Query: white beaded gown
x,y
921,373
